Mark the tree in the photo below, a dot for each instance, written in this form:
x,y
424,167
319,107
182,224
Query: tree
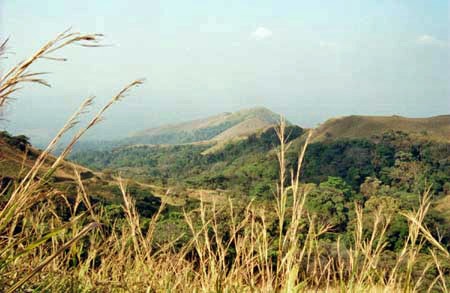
x,y
327,204
339,184
372,186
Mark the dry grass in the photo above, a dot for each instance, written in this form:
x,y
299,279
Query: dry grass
x,y
10,81
433,128
52,243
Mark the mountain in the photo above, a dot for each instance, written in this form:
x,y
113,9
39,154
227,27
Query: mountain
x,y
216,128
435,128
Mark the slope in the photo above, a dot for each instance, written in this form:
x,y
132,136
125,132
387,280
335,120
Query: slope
x,y
435,128
17,157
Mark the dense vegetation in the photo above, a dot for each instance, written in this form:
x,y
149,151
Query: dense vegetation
x,y
391,170
394,158
236,166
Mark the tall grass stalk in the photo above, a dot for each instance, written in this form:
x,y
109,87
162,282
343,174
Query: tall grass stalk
x,y
23,235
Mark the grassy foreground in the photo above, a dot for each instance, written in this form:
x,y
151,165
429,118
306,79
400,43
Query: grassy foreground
x,y
55,243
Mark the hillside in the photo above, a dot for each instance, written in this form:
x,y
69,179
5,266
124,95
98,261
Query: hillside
x,y
174,164
343,147
220,127
435,128
17,157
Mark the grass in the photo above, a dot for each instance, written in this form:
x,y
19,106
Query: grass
x,y
51,243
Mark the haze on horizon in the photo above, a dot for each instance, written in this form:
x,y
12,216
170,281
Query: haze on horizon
x,y
308,60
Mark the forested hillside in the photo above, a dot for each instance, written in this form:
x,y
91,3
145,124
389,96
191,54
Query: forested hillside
x,y
390,170
243,163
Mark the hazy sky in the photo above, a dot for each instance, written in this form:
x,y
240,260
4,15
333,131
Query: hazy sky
x,y
310,60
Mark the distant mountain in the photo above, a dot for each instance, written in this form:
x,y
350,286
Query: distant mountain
x,y
220,127
435,128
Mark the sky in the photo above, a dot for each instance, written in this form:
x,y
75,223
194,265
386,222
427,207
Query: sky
x,y
307,60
